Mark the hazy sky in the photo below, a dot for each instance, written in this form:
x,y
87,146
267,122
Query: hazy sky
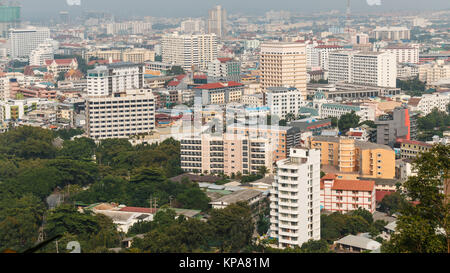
x,y
197,8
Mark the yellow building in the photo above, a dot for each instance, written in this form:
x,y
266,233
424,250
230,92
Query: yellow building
x,y
348,156
134,55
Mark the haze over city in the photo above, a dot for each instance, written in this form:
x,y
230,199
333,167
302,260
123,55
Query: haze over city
x,y
185,8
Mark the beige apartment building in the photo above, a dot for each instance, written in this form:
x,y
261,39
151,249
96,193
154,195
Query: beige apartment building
x,y
133,55
433,72
243,149
283,65
130,113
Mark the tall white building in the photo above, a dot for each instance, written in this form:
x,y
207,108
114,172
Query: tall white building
x,y
121,116
284,100
23,41
365,68
189,50
217,21
283,65
295,198
115,78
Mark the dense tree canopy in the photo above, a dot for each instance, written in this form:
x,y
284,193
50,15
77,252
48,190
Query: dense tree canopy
x,y
347,121
425,226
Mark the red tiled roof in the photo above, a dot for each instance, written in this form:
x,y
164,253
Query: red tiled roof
x,y
173,83
414,142
354,134
200,77
59,61
218,85
351,185
224,60
329,176
141,210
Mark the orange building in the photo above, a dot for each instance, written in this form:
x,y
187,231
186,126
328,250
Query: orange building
x,y
349,156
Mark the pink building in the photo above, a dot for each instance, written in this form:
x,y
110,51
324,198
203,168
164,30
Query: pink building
x,y
346,195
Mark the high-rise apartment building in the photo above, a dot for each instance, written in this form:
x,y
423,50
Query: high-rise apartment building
x,y
295,198
23,41
283,65
121,116
115,78
217,21
187,51
364,68
242,148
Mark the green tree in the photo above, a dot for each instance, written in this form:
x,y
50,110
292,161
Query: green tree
x,y
347,121
392,203
28,142
233,227
20,219
78,149
315,246
425,226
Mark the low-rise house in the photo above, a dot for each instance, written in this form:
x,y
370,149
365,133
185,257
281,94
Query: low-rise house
x,y
352,243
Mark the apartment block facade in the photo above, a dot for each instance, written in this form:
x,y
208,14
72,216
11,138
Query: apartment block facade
x,y
114,78
23,41
283,65
350,156
243,149
187,51
219,93
284,100
364,68
295,198
338,195
122,115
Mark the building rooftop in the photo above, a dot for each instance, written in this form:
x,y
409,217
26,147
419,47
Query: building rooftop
x,y
359,242
349,185
359,144
219,85
239,196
